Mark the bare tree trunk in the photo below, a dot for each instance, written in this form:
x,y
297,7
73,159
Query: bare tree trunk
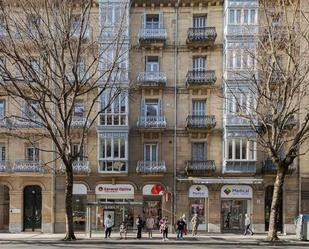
x,y
68,204
278,186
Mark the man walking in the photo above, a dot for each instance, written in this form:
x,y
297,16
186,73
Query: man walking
x,y
108,223
248,225
139,224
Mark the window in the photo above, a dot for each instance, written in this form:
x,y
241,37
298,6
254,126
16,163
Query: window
x,y
32,153
252,16
113,151
79,109
152,22
199,63
114,109
112,14
240,149
246,16
240,59
242,16
33,24
198,152
2,109
35,66
239,103
76,23
150,152
152,108
152,64
199,21
238,16
2,152
232,17
77,148
198,107
30,110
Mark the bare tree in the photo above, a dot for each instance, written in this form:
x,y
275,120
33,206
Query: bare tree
x,y
270,91
54,54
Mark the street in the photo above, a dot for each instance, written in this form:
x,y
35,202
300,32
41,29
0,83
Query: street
x,y
36,245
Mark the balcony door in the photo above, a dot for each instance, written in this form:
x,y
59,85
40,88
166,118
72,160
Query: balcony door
x,y
150,152
32,153
32,208
78,151
152,108
2,109
199,21
2,152
198,107
198,151
152,64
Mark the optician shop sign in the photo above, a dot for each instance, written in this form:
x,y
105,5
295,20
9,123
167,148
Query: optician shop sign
x,y
198,191
115,191
236,191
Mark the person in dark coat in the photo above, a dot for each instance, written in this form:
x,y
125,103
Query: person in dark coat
x,y
139,224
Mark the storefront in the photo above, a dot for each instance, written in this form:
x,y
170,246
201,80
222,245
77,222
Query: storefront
x,y
79,206
152,201
198,202
114,195
235,203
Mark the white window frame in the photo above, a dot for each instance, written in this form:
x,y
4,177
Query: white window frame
x,y
36,153
246,61
151,146
198,107
250,11
247,152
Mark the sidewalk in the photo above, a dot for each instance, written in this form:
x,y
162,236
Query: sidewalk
x,y
209,239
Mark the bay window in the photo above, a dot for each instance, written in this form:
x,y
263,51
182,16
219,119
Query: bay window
x,y
113,152
242,16
240,149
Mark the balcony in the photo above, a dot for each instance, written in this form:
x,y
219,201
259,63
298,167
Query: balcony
x,y
80,167
28,166
240,167
26,122
151,79
149,36
269,168
79,122
242,30
201,78
201,36
204,122
151,122
5,166
289,123
200,168
151,167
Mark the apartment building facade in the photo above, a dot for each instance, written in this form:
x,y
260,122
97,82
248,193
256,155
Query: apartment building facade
x,y
175,145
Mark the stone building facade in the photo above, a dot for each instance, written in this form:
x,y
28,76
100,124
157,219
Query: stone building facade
x,y
167,146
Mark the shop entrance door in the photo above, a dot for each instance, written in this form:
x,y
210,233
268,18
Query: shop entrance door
x,y
32,207
233,215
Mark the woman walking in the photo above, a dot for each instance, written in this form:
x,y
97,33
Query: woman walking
x,y
150,226
194,222
164,228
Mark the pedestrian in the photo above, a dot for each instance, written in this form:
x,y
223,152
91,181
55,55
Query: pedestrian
x,y
185,221
248,224
195,223
180,228
164,228
123,230
150,225
139,224
108,223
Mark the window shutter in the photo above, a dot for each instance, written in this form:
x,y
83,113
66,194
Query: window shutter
x,y
161,20
143,21
160,112
143,106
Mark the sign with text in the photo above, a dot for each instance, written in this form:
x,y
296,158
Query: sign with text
x,y
198,191
236,191
115,191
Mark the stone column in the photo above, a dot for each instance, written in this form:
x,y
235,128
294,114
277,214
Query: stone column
x,y
46,212
16,211
258,209
214,210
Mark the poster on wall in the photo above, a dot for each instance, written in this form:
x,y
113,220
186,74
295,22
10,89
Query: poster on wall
x,y
153,189
198,191
236,191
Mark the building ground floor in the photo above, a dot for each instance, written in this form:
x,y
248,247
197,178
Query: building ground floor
x,y
27,203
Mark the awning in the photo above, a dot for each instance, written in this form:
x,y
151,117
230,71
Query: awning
x,y
223,180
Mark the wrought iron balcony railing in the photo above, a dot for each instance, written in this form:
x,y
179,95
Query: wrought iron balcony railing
x,y
26,122
151,167
201,77
152,34
201,121
5,166
79,167
28,166
203,167
79,122
269,168
289,123
151,122
242,30
240,166
152,78
202,35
